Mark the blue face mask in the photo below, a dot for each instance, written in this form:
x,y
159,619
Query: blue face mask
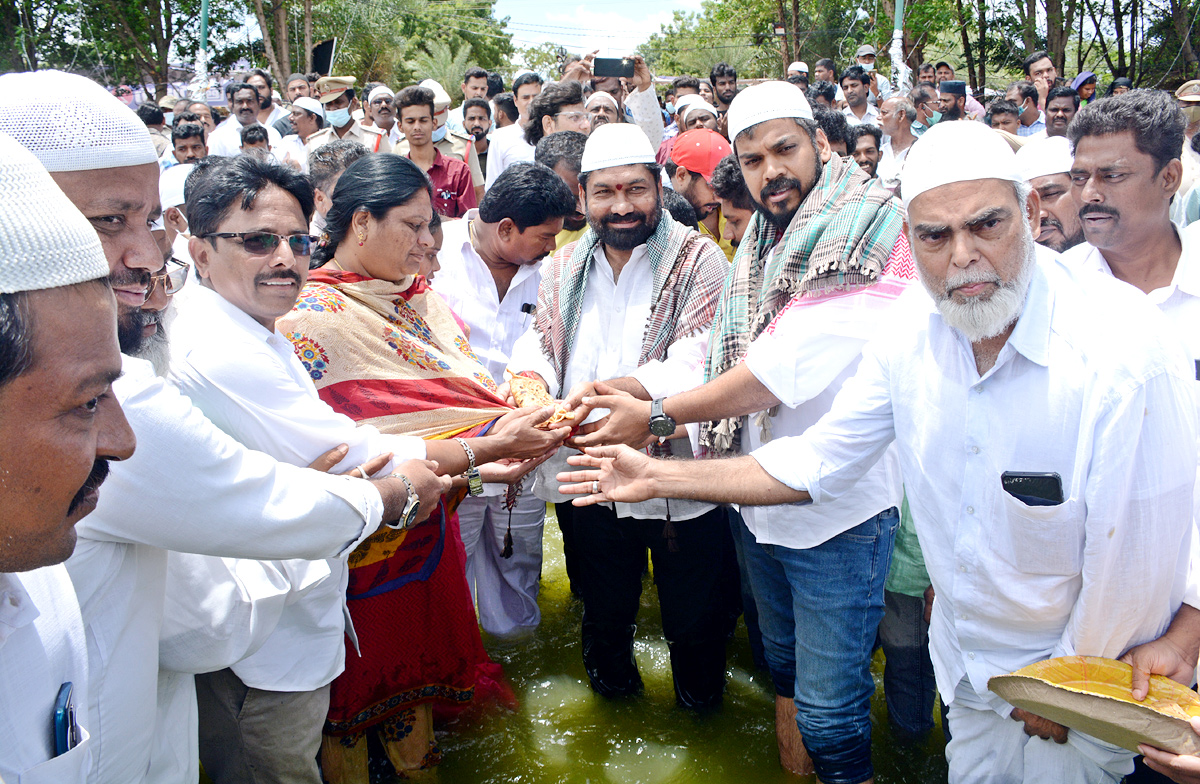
x,y
169,118
338,118
670,108
439,134
868,67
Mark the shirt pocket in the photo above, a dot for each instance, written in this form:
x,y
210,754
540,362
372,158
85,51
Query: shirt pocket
x,y
1040,539
69,767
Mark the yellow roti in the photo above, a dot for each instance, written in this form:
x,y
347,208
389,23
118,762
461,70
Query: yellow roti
x,y
528,392
1094,696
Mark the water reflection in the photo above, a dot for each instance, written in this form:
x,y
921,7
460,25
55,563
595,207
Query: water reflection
x,y
563,733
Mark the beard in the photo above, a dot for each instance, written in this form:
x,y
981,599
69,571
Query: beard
x,y
977,318
954,112
575,222
1065,244
628,238
781,220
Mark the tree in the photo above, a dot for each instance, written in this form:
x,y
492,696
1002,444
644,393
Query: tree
x,y
445,64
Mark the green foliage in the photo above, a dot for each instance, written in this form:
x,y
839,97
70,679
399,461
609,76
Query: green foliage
x,y
440,62
545,58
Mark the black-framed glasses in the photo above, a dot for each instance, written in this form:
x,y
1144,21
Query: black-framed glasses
x,y
173,277
263,243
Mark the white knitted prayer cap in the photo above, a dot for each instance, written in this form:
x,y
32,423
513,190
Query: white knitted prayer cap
x,y
1047,155
70,123
697,106
616,144
45,242
312,105
951,152
170,184
602,97
766,101
382,89
682,102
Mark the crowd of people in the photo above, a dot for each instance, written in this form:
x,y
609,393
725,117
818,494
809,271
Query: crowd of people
x,y
864,364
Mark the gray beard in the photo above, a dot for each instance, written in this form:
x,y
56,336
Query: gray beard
x,y
979,320
156,349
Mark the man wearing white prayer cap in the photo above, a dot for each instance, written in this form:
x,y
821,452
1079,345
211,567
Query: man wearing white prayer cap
x,y
381,112
604,109
801,240
1045,163
798,69
1035,530
58,359
189,487
627,307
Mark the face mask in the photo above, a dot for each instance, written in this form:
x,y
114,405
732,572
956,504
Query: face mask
x,y
868,67
670,108
1192,113
439,134
934,119
338,117
169,118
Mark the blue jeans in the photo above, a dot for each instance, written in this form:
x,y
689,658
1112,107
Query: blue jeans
x,y
819,610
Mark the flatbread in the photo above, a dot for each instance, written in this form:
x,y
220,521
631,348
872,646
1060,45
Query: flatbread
x,y
528,392
1094,696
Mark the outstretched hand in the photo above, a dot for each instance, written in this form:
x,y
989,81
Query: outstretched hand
x,y
619,473
522,436
627,422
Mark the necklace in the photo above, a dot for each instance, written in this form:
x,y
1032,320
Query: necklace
x,y
334,262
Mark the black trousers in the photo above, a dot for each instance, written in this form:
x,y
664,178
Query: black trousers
x,y
695,573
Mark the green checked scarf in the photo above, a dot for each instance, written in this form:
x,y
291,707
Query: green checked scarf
x,y
839,240
689,271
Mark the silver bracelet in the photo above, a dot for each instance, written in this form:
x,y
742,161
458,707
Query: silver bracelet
x,y
474,480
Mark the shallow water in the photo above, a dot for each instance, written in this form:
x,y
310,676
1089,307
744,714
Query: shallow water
x,y
563,733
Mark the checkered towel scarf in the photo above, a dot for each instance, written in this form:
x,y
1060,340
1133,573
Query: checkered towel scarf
x,y
839,240
689,271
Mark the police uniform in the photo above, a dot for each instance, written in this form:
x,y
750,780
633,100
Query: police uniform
x,y
370,137
456,146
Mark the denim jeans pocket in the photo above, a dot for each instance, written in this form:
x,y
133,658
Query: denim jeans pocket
x,y
869,531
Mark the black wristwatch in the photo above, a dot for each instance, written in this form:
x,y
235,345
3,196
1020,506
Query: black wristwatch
x,y
412,505
661,425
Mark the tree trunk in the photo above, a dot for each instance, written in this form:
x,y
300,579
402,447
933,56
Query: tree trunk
x,y
1029,25
308,44
966,41
977,84
1179,20
260,14
784,46
795,43
1059,23
284,62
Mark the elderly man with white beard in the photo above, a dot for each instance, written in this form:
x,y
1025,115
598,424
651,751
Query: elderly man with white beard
x,y
1013,367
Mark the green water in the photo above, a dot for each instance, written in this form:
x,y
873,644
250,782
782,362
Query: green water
x,y
562,732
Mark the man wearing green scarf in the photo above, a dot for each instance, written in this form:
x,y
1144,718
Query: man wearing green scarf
x,y
815,274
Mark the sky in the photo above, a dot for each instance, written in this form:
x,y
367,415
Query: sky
x,y
615,27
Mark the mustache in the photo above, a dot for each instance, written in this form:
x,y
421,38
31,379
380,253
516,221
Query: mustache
x,y
1101,209
968,277
123,277
613,218
779,186
1052,223
291,275
95,479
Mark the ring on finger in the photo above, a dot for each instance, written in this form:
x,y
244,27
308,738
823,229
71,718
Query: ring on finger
x,y
361,472
595,488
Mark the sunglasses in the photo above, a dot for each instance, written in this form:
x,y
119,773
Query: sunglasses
x,y
263,243
172,279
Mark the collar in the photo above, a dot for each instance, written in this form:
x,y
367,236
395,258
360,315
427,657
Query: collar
x,y
204,297
1031,336
471,255
17,609
1187,271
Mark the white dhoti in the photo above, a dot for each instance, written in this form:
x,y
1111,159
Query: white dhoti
x,y
505,589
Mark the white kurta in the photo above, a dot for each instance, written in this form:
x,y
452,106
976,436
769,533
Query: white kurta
x,y
188,487
608,344
507,146
226,140
42,646
803,358
1089,386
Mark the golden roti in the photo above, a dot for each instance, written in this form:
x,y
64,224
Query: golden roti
x,y
528,392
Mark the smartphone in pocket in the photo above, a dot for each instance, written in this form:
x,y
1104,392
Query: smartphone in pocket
x,y
1033,488
66,732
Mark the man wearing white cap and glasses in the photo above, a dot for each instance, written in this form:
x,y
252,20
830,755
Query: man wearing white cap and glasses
x,y
849,272
58,359
1045,163
1087,385
381,110
74,126
631,301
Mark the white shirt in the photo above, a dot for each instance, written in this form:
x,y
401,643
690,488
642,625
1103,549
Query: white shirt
x,y
42,646
1088,386
870,117
508,146
1180,303
803,358
250,384
891,164
467,285
226,139
643,110
188,487
608,344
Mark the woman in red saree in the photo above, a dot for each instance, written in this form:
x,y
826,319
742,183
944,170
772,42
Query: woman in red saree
x,y
386,350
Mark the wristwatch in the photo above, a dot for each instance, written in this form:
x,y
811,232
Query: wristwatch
x,y
412,506
661,425
474,480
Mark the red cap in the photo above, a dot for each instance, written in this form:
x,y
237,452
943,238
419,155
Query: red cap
x,y
700,150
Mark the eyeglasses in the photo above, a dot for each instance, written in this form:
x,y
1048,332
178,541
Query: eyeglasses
x,y
172,279
573,116
264,243
384,101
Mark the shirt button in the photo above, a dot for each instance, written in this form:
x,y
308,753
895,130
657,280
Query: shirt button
x,y
970,510
975,449
979,389
971,654
962,567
